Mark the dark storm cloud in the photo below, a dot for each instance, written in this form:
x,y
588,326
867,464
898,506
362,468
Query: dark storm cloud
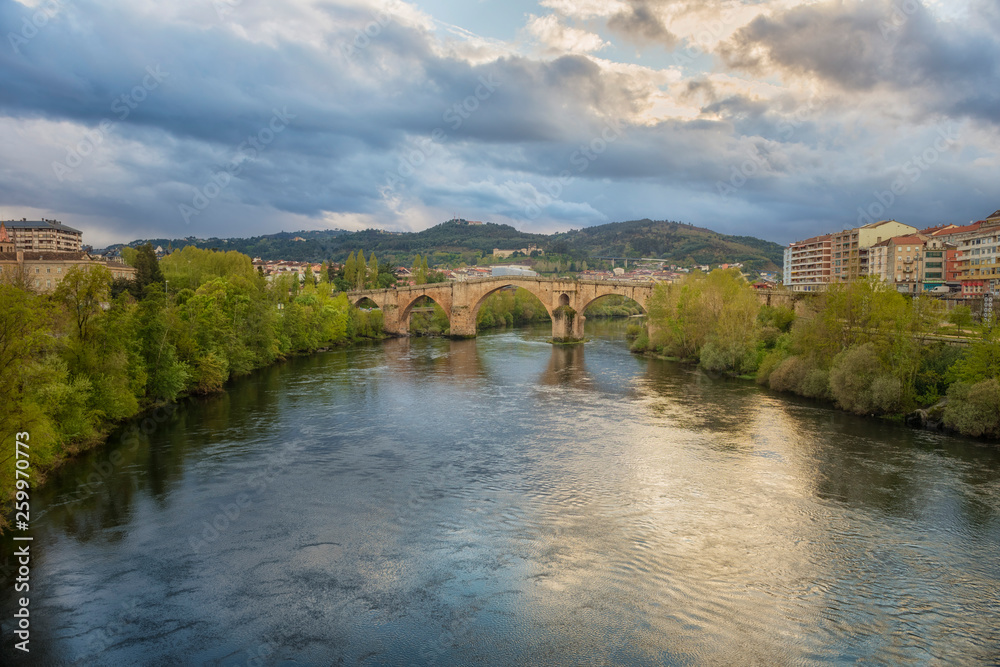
x,y
406,122
640,24
898,47
350,115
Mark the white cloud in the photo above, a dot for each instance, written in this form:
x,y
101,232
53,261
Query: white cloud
x,y
561,38
585,9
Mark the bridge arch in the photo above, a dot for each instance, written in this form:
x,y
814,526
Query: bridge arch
x,y
474,311
639,296
596,299
406,306
366,302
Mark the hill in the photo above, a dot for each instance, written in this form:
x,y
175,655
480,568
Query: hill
x,y
677,242
457,240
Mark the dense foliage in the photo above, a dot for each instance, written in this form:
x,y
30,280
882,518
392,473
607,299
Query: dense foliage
x,y
75,362
862,345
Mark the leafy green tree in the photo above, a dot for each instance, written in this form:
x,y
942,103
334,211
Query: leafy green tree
x,y
129,254
82,290
360,271
372,279
147,269
980,362
961,317
350,271
167,375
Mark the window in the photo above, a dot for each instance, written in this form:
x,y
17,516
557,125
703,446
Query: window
x,y
48,283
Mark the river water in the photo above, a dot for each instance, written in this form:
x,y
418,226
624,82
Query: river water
x,y
502,501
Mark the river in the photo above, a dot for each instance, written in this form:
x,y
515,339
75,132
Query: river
x,y
503,501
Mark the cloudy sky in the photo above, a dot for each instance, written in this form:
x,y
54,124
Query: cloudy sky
x,y
773,118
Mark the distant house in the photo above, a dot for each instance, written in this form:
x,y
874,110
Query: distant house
x,y
497,252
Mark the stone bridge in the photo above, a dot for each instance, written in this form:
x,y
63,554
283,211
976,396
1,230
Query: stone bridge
x,y
564,300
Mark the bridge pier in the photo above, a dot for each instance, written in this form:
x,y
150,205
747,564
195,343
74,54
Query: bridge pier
x,y
463,322
391,321
567,325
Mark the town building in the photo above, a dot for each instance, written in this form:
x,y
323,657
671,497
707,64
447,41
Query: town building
x,y
807,264
977,256
935,264
906,262
35,235
42,270
850,248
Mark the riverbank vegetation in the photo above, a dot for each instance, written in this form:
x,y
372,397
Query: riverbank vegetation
x,y
861,345
98,351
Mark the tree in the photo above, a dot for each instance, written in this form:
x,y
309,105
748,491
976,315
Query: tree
x,y
129,254
147,269
82,290
372,270
349,270
961,317
419,270
360,269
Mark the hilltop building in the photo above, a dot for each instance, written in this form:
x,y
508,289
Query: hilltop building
x,y
524,251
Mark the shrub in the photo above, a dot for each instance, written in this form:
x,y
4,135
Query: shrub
x,y
713,358
860,382
789,375
816,384
768,364
886,394
974,409
641,343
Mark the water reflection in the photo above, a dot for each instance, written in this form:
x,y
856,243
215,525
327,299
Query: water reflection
x,y
504,501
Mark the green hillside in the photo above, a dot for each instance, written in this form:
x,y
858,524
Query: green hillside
x,y
677,242
456,241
